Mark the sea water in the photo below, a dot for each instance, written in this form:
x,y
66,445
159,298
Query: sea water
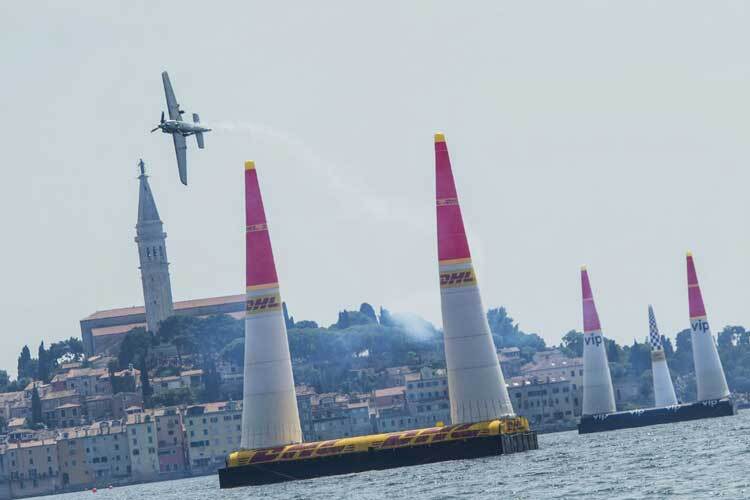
x,y
700,459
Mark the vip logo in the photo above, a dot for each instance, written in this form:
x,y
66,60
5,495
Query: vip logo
x,y
699,325
457,279
595,340
263,303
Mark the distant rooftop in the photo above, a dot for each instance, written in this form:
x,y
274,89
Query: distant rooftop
x,y
185,304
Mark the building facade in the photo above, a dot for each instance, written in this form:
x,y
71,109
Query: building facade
x,y
548,404
142,445
213,430
170,441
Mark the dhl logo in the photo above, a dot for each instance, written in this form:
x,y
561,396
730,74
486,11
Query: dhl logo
x,y
263,303
257,227
444,202
457,279
385,442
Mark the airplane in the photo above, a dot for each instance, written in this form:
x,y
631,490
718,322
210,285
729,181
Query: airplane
x,y
179,129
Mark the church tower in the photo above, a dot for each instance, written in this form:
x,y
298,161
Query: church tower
x,y
152,253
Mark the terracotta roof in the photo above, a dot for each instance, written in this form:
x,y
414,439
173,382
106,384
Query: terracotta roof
x,y
80,372
185,304
553,364
68,405
11,396
59,394
115,330
389,391
17,422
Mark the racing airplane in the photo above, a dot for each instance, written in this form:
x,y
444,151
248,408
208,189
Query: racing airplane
x,y
178,128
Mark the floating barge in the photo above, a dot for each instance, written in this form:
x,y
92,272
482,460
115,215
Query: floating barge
x,y
654,416
377,452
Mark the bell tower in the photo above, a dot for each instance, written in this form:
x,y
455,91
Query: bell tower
x,y
152,253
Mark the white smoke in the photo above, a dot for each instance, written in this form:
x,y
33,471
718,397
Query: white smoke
x,y
414,325
349,192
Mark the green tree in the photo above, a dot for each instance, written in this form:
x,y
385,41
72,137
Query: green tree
x,y
506,333
43,364
71,348
36,407
211,382
146,390
730,336
368,311
288,320
666,344
134,347
682,361
613,351
173,397
25,365
4,380
385,317
639,358
572,344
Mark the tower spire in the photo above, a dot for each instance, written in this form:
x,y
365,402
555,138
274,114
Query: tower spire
x,y
152,254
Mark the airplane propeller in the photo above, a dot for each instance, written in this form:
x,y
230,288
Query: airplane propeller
x,y
161,123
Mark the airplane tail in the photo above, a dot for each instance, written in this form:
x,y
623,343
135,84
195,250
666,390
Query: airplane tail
x,y
198,135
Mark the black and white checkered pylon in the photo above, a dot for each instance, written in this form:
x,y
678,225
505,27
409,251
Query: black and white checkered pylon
x,y
653,334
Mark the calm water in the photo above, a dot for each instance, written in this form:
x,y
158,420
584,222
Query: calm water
x,y
701,459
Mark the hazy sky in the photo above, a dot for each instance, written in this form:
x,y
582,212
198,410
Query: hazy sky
x,y
612,134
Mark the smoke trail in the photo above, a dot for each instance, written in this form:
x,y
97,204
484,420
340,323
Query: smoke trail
x,y
350,193
414,325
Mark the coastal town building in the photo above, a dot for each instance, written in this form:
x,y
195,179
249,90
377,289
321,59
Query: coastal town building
x,y
213,431
510,361
427,397
553,364
142,445
547,403
32,468
170,441
103,331
305,397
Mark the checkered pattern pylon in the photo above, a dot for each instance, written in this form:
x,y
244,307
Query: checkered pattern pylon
x,y
653,335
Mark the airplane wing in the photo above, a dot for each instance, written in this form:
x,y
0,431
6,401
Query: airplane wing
x,y
172,106
181,149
